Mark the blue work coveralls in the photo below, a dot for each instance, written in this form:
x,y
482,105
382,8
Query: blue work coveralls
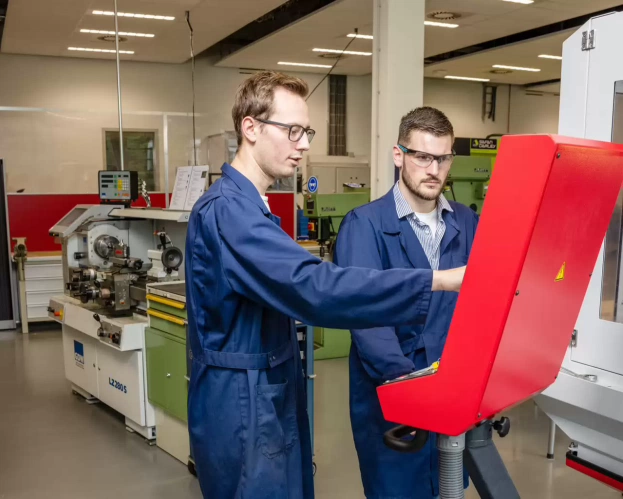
x,y
246,280
373,236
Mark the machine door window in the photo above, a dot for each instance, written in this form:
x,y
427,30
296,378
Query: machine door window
x,y
612,284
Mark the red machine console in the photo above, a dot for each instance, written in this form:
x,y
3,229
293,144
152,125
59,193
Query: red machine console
x,y
546,214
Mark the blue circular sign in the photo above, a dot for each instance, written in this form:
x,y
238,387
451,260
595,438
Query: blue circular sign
x,y
312,184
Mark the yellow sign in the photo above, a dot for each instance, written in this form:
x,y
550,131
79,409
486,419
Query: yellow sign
x,y
561,272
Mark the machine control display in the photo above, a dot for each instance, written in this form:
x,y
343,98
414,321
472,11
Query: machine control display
x,y
118,187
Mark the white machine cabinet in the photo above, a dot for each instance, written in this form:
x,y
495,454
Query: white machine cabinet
x,y
80,354
105,361
44,279
586,401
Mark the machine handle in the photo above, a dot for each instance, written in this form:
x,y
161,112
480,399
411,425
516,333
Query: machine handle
x,y
164,301
394,439
166,317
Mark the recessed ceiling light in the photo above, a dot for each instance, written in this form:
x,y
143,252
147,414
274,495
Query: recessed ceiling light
x,y
121,33
525,2
355,35
467,78
105,51
516,68
440,25
304,65
443,15
545,56
128,14
336,51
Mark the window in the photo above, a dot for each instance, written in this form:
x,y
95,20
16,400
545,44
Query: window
x,y
139,154
337,115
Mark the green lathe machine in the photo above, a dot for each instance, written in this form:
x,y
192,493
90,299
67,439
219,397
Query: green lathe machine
x,y
325,213
467,181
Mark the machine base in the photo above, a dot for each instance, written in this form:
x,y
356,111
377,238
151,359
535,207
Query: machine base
x,y
191,467
172,435
485,466
88,398
598,473
147,432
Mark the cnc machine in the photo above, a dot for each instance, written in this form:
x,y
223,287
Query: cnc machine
x,y
586,401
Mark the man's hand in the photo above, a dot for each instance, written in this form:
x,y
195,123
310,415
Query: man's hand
x,y
448,280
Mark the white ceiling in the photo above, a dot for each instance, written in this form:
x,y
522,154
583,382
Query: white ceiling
x,y
523,54
481,20
49,27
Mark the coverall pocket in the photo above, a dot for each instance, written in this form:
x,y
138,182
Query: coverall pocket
x,y
276,418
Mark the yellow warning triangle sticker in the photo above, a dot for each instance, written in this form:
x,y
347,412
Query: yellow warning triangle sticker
x,y
561,272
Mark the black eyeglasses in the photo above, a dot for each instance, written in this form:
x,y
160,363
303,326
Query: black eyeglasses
x,y
424,159
295,131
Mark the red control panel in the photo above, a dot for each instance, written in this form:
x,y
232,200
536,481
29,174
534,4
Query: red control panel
x,y
546,214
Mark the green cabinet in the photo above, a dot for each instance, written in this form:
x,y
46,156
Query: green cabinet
x,y
166,372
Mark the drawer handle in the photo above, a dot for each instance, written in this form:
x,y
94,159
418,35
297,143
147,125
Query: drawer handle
x,y
186,378
165,301
168,375
167,317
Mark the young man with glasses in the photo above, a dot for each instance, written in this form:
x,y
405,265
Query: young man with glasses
x,y
412,227
245,281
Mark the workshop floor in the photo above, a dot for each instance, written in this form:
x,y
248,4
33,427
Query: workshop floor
x,y
53,445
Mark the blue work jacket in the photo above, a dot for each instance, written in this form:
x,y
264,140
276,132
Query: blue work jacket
x,y
373,236
246,282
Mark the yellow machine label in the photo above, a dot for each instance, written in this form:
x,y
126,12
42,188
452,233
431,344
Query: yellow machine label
x,y
561,272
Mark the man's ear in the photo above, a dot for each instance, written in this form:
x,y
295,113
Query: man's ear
x,y
398,157
250,129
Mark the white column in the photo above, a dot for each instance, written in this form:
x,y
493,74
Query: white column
x,y
397,80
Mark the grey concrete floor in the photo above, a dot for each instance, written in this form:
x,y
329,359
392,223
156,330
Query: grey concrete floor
x,y
55,446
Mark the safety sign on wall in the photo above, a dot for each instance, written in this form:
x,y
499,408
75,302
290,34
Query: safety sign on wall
x,y
312,184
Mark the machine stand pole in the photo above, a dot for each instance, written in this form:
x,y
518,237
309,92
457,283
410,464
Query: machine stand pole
x,y
119,104
485,466
19,257
451,466
552,440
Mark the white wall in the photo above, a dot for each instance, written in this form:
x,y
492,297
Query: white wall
x,y
533,113
359,115
462,102
60,148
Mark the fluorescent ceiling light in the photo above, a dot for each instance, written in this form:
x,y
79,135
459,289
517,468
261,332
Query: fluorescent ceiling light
x,y
525,2
440,25
128,14
467,78
516,68
106,51
336,51
304,65
121,33
545,56
355,35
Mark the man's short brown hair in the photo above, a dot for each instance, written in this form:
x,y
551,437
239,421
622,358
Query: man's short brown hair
x,y
424,119
255,96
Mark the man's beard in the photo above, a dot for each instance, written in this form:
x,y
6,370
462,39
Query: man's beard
x,y
421,191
